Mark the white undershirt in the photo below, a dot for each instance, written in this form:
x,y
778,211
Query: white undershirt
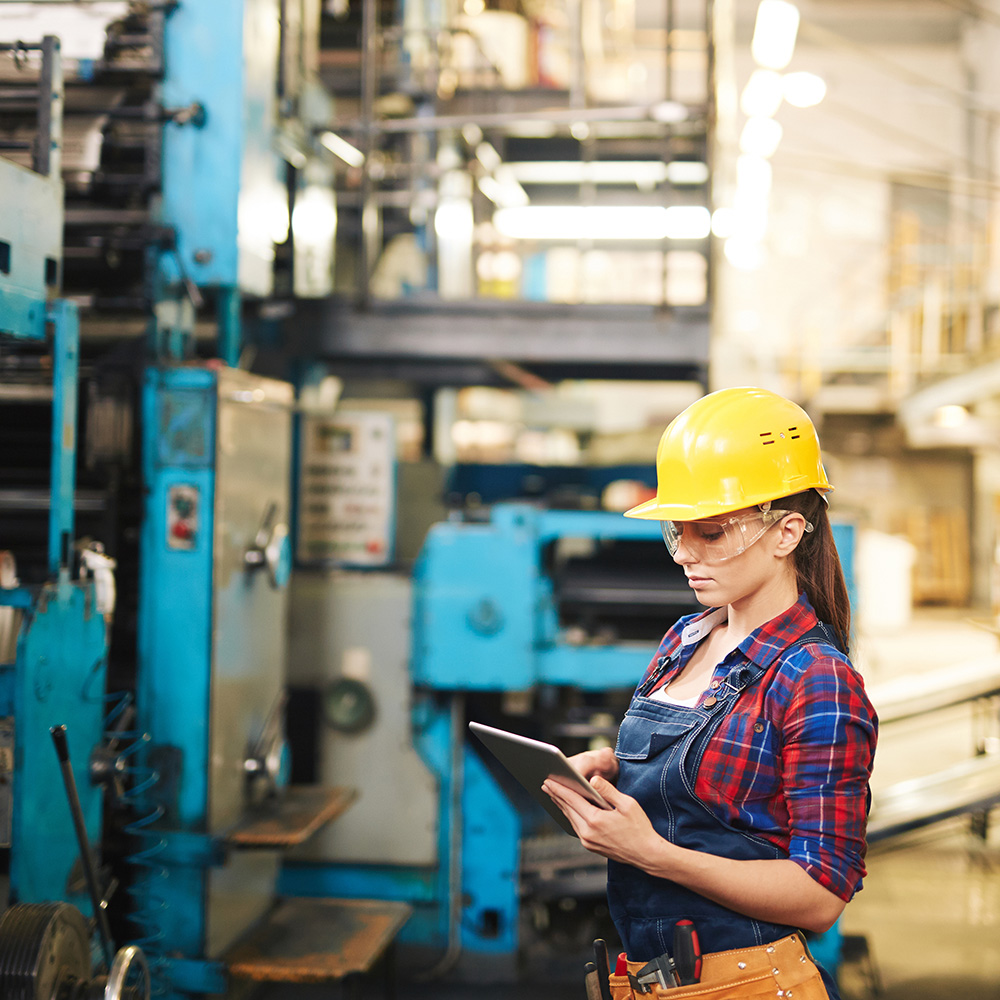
x,y
662,695
694,633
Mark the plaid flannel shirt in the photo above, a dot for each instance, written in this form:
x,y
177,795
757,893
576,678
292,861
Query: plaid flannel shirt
x,y
791,762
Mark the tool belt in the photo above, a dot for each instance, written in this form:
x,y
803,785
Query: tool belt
x,y
783,969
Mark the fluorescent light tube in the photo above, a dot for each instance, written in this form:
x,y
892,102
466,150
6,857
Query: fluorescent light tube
x,y
604,222
774,33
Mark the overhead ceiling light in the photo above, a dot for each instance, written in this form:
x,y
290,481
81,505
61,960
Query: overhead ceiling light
x,y
604,222
803,90
950,416
722,222
642,173
760,137
668,112
744,255
774,33
753,176
687,222
682,172
488,156
510,191
762,94
351,155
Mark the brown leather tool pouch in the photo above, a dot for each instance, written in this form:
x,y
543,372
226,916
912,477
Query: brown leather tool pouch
x,y
783,969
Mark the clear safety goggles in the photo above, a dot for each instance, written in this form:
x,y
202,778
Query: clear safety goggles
x,y
720,539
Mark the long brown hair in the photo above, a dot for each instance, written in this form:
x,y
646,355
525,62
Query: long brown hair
x,y
818,570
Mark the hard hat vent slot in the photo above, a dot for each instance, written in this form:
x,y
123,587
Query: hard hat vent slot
x,y
768,437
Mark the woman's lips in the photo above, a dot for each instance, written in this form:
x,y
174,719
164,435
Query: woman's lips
x,y
698,581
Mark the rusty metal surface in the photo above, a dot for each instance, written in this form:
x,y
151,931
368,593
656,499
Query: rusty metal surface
x,y
300,812
318,940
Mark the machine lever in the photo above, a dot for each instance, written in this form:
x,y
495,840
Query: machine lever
x,y
86,858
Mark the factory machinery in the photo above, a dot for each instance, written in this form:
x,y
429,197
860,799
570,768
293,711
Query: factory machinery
x,y
151,154
249,811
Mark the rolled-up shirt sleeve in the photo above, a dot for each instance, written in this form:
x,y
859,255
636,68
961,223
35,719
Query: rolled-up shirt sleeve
x,y
829,734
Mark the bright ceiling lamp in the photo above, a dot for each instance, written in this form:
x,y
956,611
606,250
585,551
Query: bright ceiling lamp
x,y
502,188
687,172
950,416
760,137
803,90
774,33
762,94
743,254
488,156
723,222
687,222
753,176
351,155
603,222
644,174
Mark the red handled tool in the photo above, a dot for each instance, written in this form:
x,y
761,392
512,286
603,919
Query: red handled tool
x,y
687,953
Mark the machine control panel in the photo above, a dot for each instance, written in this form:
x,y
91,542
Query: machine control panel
x,y
347,489
183,516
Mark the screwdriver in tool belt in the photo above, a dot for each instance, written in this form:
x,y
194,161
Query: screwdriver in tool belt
x,y
687,952
603,969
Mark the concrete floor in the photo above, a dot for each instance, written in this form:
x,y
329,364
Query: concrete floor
x,y
926,926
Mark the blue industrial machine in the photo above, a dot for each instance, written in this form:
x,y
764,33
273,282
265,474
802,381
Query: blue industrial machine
x,y
53,635
527,617
215,562
57,675
193,138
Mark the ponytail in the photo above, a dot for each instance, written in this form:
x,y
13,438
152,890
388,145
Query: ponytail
x,y
818,570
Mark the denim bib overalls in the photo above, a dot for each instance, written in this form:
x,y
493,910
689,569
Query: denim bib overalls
x,y
659,749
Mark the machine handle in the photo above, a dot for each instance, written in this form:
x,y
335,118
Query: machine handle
x,y
86,858
271,549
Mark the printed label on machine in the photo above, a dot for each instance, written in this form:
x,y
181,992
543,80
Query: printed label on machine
x,y
347,489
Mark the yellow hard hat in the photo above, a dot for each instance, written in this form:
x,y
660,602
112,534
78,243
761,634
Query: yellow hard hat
x,y
731,449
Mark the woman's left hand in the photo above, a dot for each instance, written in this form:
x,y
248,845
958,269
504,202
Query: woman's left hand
x,y
623,833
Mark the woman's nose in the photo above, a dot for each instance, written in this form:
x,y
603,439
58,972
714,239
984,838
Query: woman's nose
x,y
682,554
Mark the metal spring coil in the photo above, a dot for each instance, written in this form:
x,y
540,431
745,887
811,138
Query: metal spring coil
x,y
144,888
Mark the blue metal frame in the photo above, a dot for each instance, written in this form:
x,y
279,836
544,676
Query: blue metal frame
x,y
175,611
482,598
489,855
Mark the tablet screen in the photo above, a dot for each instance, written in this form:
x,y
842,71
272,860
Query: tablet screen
x,y
531,762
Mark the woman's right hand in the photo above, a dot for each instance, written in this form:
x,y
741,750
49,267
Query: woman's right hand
x,y
602,762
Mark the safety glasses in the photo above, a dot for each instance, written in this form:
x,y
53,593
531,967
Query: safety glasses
x,y
725,538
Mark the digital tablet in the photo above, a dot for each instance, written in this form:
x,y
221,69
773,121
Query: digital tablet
x,y
531,762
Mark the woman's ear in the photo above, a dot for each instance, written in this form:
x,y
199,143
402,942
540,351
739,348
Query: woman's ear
x,y
790,531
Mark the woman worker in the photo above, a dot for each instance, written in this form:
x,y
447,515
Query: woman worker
x,y
740,778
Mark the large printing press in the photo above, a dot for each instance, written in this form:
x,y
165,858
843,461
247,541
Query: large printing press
x,y
233,728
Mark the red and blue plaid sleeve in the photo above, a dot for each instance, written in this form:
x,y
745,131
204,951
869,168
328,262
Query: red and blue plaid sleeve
x,y
828,743
791,761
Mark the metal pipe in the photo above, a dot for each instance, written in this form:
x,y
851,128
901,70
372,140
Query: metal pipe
x,y
556,116
369,85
